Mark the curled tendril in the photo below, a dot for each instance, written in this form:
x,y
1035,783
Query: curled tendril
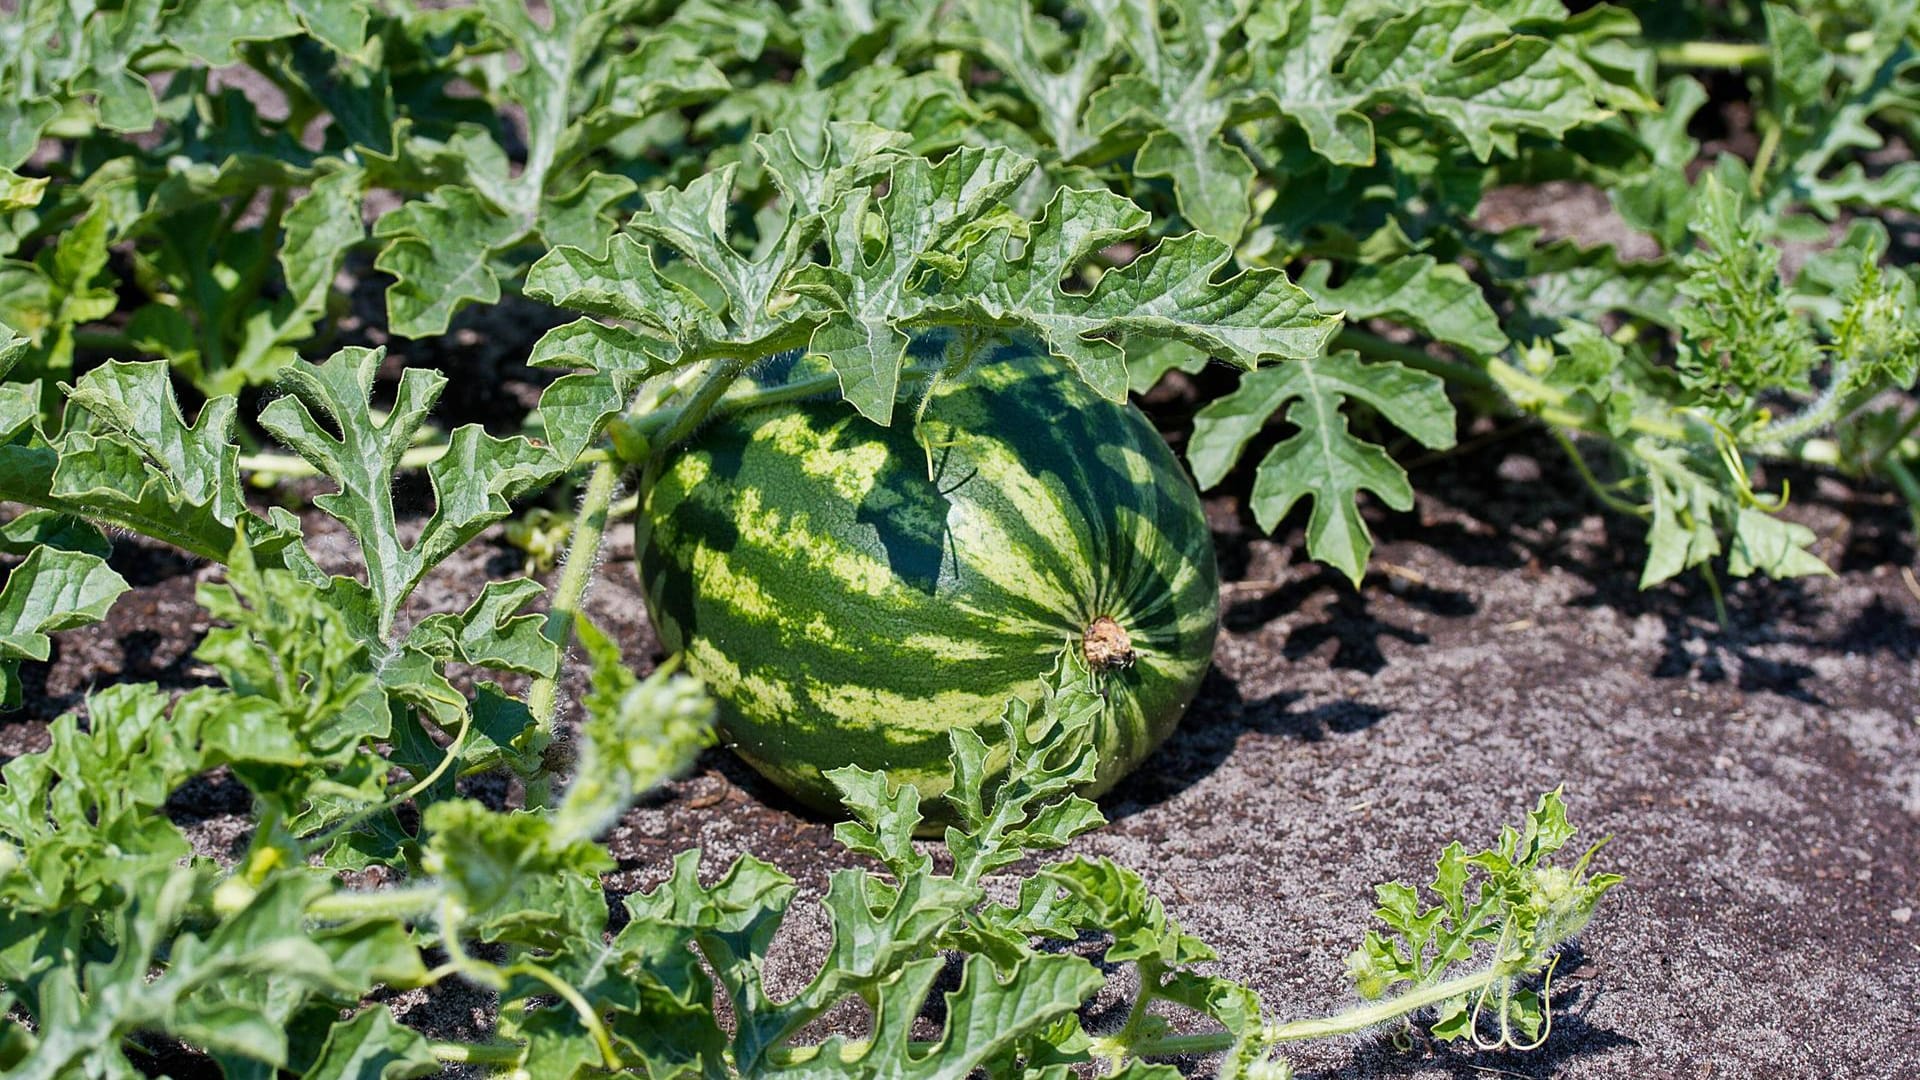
x,y
1723,442
1506,1041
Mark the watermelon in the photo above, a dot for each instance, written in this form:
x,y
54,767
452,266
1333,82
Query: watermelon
x,y
851,592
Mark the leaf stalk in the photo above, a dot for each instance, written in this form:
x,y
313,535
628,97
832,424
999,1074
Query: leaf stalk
x,y
1373,346
353,904
1731,55
456,1053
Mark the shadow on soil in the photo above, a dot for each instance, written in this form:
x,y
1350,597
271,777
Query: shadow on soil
x,y
1511,520
1573,1039
1512,502
132,658
1214,723
1347,615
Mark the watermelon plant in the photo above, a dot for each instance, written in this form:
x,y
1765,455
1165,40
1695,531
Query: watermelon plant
x,y
846,300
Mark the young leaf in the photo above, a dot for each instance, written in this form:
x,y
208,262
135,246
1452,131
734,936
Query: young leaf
x,y
1437,299
1323,460
885,816
1168,292
135,402
267,941
1115,900
67,285
1174,95
1031,805
82,817
989,1015
1690,507
728,302
638,734
573,99
373,1046
473,482
50,591
1518,900
1738,337
20,192
1056,72
871,292
320,226
511,873
305,697
130,459
1330,67
490,634
439,253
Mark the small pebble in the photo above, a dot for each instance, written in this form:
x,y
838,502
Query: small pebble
x,y
1519,469
1902,915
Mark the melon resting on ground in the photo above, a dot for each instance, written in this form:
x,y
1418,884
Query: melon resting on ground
x,y
846,607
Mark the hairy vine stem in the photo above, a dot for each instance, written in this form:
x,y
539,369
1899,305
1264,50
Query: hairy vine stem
x,y
1344,1023
1607,498
1739,55
583,551
543,698
352,821
1818,414
1909,485
582,1008
1553,405
665,427
1372,345
1117,1048
291,466
682,422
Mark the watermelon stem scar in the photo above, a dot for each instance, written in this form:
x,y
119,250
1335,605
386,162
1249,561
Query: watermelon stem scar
x,y
1106,645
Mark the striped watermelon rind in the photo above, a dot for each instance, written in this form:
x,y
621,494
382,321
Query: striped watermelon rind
x,y
846,607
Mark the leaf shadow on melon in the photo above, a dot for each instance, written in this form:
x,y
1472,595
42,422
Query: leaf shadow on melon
x,y
912,528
